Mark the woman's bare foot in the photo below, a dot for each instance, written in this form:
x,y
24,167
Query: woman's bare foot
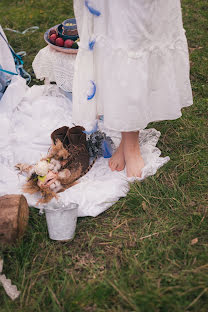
x,y
117,161
132,154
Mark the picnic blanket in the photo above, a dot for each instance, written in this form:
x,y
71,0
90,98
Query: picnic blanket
x,y
28,116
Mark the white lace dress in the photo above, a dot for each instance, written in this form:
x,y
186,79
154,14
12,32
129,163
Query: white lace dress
x,y
137,70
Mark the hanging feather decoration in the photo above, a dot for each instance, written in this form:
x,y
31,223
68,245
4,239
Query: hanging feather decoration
x,y
91,96
91,45
100,145
91,10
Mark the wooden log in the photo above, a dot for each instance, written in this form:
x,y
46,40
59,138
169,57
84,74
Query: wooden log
x,y
14,214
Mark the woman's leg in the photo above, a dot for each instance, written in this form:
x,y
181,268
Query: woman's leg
x,y
132,155
117,161
128,153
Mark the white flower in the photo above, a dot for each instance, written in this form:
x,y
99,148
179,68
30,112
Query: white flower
x,y
41,168
54,165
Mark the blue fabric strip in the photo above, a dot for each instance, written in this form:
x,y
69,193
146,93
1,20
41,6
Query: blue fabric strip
x,y
8,72
107,149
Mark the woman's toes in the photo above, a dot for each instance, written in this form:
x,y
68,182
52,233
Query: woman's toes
x,y
120,168
115,165
111,164
117,162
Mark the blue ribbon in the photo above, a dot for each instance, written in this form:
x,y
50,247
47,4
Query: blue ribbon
x,y
8,72
92,11
107,149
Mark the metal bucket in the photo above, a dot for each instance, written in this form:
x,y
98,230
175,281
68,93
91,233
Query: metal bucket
x,y
62,222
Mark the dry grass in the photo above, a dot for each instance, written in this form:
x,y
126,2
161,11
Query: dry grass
x,y
142,254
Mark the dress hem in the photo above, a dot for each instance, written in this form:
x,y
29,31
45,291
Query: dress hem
x,y
142,128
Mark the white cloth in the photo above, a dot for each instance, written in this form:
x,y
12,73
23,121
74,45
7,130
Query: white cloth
x,y
6,57
28,117
140,63
55,66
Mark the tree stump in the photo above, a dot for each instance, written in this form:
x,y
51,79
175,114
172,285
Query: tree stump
x,y
14,214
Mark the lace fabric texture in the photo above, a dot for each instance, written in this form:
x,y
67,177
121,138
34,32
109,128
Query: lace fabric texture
x,y
140,63
55,67
28,117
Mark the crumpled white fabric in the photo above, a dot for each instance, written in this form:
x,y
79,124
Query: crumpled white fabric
x,y
32,115
6,57
10,289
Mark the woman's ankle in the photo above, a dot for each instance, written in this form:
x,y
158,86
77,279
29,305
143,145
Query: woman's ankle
x,y
132,155
130,140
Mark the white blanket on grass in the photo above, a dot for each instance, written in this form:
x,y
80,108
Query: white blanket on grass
x,y
27,118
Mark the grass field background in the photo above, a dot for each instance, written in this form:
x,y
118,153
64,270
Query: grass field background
x,y
140,254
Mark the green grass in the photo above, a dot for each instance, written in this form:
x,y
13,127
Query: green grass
x,y
138,255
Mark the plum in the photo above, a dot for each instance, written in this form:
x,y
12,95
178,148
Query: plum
x,y
59,42
52,31
68,43
53,38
